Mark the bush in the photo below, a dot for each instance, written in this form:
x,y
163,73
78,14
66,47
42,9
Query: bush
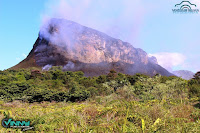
x,y
194,90
78,94
39,95
59,97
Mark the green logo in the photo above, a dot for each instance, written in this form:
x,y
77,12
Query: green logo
x,y
185,7
9,123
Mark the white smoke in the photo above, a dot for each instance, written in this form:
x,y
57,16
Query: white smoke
x,y
120,19
60,32
70,65
46,68
169,60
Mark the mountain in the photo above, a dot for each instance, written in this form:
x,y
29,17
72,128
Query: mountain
x,y
78,48
184,74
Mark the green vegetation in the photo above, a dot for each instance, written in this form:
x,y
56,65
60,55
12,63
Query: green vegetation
x,y
57,101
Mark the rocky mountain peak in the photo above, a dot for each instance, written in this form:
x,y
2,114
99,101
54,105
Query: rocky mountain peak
x,y
76,47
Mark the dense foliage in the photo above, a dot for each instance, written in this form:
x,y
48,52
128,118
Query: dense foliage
x,y
56,85
116,102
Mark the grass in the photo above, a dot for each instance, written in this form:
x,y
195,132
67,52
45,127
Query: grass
x,y
106,114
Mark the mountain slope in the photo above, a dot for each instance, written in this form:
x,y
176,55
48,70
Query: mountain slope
x,y
76,47
184,74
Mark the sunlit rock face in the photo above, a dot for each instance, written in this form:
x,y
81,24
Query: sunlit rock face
x,y
85,44
76,47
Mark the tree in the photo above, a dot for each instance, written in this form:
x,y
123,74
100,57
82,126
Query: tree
x,y
112,75
101,79
194,85
78,94
197,76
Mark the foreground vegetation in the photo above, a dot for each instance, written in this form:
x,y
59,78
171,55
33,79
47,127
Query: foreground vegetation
x,y
57,101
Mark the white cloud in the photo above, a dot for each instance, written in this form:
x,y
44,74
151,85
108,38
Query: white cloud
x,y
169,60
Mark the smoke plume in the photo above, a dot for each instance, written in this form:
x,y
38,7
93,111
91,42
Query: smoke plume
x,y
60,32
169,60
46,68
120,19
69,66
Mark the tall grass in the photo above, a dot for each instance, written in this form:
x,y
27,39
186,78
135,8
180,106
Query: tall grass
x,y
109,115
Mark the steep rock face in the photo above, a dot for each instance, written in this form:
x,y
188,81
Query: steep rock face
x,y
76,47
87,45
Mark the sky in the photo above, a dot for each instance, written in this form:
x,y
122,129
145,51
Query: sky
x,y
150,25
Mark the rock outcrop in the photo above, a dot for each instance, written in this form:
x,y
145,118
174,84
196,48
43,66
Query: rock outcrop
x,y
79,48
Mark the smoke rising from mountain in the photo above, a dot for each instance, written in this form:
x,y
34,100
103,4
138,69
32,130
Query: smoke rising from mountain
x,y
46,68
69,66
60,32
120,19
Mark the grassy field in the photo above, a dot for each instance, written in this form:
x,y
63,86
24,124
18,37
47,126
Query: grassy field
x,y
106,114
57,102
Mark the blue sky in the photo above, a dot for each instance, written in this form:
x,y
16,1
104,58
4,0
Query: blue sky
x,y
152,26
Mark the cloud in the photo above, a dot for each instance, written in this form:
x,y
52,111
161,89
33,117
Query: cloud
x,y
122,19
192,63
170,60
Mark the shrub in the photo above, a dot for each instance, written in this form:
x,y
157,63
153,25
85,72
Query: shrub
x,y
194,90
78,94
